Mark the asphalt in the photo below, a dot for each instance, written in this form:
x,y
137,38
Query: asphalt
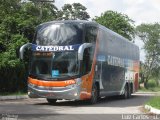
x,y
13,97
147,107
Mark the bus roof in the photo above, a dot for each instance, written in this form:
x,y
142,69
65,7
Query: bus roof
x,y
87,22
70,21
116,34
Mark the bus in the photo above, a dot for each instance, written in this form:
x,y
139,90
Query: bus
x,y
80,60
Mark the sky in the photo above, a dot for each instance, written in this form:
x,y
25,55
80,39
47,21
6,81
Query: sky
x,y
141,11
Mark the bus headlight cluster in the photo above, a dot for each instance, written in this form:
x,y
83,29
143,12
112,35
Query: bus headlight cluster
x,y
78,81
29,92
75,94
71,86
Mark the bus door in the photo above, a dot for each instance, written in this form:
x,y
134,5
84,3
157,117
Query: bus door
x,y
87,64
86,51
103,75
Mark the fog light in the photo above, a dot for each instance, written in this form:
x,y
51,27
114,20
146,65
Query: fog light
x,y
75,94
29,92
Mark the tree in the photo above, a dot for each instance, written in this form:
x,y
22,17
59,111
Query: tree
x,y
74,11
150,35
18,17
117,22
17,25
46,9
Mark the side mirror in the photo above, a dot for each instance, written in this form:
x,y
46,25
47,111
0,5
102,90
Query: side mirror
x,y
22,49
82,48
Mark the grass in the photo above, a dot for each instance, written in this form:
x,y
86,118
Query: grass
x,y
154,102
15,93
150,89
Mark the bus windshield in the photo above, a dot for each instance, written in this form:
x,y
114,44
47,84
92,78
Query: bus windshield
x,y
55,65
59,34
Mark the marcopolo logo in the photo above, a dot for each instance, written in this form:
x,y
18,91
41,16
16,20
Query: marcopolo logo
x,y
55,48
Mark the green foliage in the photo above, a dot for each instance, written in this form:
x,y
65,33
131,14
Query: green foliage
x,y
150,34
19,93
117,22
17,25
152,83
154,102
13,77
74,11
154,89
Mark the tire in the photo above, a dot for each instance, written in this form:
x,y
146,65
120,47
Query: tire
x,y
125,95
129,91
51,101
94,94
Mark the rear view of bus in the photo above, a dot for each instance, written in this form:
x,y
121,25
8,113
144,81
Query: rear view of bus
x,y
80,60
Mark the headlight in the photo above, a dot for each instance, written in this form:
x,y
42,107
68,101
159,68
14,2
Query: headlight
x,y
71,86
78,81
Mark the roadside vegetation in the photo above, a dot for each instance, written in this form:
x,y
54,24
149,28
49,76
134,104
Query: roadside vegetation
x,y
150,68
153,86
155,89
154,102
19,93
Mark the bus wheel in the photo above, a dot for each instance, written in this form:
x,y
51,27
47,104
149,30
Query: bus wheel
x,y
125,94
95,94
129,91
51,101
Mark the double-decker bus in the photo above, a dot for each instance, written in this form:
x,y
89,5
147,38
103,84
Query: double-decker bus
x,y
80,60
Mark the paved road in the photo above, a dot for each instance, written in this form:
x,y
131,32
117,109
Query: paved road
x,y
111,108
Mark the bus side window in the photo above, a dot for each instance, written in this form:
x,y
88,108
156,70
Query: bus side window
x,y
87,61
91,34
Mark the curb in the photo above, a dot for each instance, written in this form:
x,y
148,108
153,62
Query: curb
x,y
16,97
156,93
152,109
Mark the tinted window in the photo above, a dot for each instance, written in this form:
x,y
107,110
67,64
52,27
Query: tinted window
x,y
91,34
87,60
54,65
59,34
41,66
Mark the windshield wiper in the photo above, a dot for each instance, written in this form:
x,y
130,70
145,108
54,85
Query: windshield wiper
x,y
61,77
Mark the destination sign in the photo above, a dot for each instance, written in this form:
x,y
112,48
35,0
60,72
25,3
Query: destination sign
x,y
40,54
55,48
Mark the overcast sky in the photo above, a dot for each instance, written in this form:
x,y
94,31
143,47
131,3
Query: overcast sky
x,y
141,11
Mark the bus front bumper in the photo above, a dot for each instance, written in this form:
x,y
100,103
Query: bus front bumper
x,y
68,92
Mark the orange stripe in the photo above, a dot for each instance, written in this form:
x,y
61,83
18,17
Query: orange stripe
x,y
50,83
